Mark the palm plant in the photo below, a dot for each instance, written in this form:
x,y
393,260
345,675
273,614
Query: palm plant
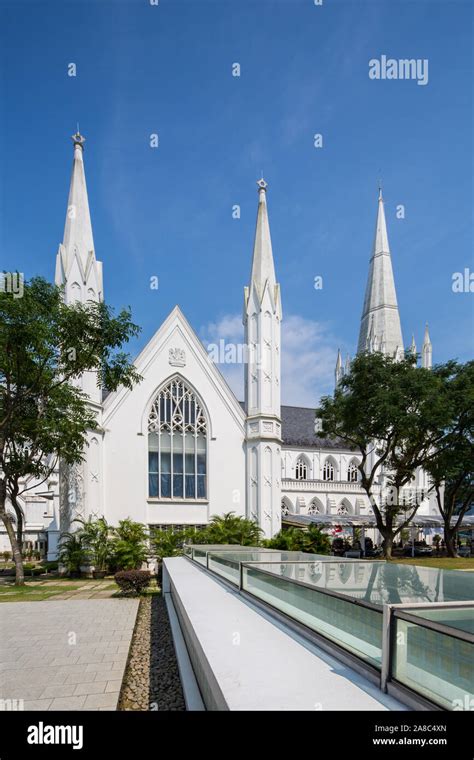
x,y
129,545
231,529
96,535
72,552
168,543
311,540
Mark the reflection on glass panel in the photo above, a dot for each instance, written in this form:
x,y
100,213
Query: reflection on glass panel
x,y
461,618
226,568
355,628
382,582
434,664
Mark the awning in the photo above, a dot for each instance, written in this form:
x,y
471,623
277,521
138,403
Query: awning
x,y
368,521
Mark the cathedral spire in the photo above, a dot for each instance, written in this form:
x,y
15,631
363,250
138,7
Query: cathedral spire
x,y
263,269
78,227
339,369
77,269
262,320
380,323
427,350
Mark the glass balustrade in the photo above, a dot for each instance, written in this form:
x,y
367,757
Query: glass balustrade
x,y
433,654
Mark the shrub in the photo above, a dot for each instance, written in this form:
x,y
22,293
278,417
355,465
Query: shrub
x,y
31,569
132,581
6,556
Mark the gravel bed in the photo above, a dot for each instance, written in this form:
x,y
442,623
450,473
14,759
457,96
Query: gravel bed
x,y
151,679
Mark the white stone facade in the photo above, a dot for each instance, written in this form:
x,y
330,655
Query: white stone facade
x,y
212,454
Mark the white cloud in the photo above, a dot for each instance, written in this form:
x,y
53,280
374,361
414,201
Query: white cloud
x,y
309,352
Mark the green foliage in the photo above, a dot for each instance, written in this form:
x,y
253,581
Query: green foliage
x,y
129,548
45,345
169,543
401,409
230,529
96,535
72,552
133,582
451,466
297,540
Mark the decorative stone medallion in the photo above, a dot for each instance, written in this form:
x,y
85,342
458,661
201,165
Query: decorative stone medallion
x,y
177,357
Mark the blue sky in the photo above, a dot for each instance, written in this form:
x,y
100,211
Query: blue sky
x,y
167,69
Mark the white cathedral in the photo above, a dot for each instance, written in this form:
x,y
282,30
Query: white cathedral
x,y
180,447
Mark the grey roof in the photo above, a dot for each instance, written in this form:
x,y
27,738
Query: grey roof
x,y
297,424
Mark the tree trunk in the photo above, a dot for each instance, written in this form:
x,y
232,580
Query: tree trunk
x,y
387,545
19,525
449,536
17,558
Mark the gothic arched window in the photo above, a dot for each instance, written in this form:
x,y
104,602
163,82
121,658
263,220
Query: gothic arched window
x,y
328,470
177,444
301,469
352,472
314,508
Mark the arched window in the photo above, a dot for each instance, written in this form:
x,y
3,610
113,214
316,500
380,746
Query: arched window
x,y
352,472
301,469
328,470
177,444
314,508
342,510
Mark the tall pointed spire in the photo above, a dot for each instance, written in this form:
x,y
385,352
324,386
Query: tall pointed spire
x,y
262,320
413,346
78,227
427,350
77,269
339,371
263,268
380,323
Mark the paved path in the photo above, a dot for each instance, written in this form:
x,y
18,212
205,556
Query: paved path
x,y
65,655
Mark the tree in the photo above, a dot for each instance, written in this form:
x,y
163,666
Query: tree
x,y
129,545
452,467
395,414
45,347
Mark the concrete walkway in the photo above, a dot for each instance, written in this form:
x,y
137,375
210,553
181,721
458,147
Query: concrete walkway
x,y
65,655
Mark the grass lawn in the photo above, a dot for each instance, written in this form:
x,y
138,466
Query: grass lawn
x,y
39,589
445,563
